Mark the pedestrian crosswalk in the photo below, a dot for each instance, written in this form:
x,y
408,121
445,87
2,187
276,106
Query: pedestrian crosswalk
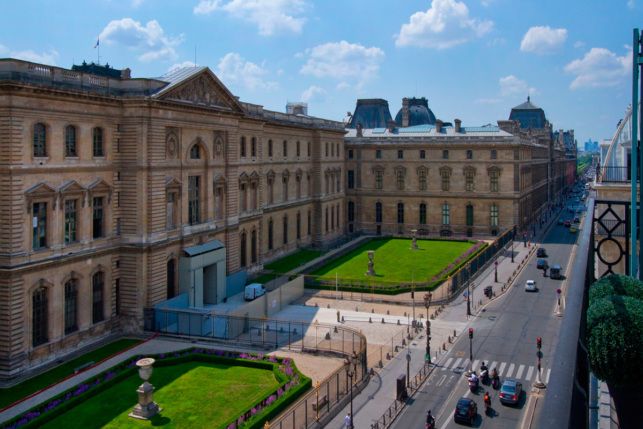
x,y
505,369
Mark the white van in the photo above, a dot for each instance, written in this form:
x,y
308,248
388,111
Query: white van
x,y
253,291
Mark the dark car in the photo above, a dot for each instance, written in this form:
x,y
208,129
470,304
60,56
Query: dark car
x,y
541,252
568,223
510,392
466,411
576,220
541,264
560,221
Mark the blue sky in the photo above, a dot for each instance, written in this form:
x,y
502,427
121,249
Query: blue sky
x,y
473,60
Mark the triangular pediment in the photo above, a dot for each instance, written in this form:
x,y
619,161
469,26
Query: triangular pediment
x,y
40,189
199,87
99,185
173,182
71,187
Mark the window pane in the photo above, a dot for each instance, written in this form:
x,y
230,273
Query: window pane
x,y
39,140
97,298
70,141
39,225
70,221
97,230
39,317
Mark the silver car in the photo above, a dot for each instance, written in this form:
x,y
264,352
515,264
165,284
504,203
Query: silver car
x,y
510,392
530,286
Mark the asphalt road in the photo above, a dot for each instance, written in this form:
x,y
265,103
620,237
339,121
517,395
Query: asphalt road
x,y
504,336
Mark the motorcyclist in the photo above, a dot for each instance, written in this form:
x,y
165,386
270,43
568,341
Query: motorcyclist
x,y
474,377
494,374
483,367
487,399
429,419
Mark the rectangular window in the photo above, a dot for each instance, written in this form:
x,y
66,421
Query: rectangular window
x,y
97,140
400,180
39,140
70,221
423,214
445,180
118,226
97,218
39,223
242,147
269,147
378,212
422,154
117,297
378,179
494,215
193,199
285,148
350,154
445,154
218,202
97,297
494,181
445,214
469,180
469,215
422,180
71,296
298,150
253,147
400,154
400,213
351,179
39,317
70,141
378,154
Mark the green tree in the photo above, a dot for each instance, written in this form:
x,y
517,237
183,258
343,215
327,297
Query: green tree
x,y
615,284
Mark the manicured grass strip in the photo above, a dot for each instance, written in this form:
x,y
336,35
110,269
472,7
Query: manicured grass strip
x,y
194,394
395,261
293,261
46,379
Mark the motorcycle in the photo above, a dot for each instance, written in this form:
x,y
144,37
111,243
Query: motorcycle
x,y
495,383
473,385
431,425
487,406
484,376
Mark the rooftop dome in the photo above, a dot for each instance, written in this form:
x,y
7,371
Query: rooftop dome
x,y
371,113
419,113
529,115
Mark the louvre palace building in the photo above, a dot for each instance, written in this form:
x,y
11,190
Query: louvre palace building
x,y
108,181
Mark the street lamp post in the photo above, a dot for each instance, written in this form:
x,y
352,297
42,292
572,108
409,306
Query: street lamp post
x,y
468,290
427,304
347,368
496,273
470,353
512,247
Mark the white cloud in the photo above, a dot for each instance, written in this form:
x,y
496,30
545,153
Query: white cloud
x,y
488,100
630,4
599,67
148,38
543,40
181,65
510,85
137,3
48,58
271,16
234,68
314,93
344,60
579,44
444,25
3,49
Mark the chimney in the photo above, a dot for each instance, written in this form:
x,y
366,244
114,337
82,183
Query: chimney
x,y
405,112
457,125
438,126
391,125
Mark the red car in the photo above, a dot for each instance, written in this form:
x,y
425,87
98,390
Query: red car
x,y
568,223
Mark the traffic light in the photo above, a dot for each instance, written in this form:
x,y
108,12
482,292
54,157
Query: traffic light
x,y
471,335
539,342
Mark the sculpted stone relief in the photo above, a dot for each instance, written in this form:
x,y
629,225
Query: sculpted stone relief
x,y
171,142
198,91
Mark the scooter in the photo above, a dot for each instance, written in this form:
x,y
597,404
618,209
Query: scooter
x,y
495,383
487,407
430,425
473,385
484,376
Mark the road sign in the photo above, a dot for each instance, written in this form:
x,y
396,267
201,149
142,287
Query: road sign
x,y
559,291
408,357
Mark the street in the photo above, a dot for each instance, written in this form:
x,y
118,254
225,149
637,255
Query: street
x,y
504,337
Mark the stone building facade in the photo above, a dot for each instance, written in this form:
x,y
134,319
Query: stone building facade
x,y
106,179
450,180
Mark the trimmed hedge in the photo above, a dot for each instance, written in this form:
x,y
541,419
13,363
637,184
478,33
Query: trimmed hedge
x,y
614,332
127,368
615,284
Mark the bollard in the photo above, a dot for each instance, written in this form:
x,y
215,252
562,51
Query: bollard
x,y
405,314
316,305
327,335
388,312
335,329
398,321
388,356
294,331
355,308
383,320
342,319
327,305
372,310
369,320
449,339
396,349
454,334
403,342
380,364
444,346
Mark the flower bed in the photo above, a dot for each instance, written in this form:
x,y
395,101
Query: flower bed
x,y
291,385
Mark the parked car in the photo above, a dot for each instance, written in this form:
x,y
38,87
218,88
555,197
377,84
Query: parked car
x,y
541,264
561,222
541,252
530,286
466,410
510,392
576,220
568,223
573,229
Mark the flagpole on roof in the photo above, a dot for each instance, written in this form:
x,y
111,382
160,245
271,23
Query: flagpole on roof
x,y
98,46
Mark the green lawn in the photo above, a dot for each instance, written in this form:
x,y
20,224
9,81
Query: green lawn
x,y
192,395
34,384
284,265
395,261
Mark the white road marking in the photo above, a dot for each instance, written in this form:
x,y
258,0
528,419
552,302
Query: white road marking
x,y
456,364
446,365
547,376
502,368
510,371
528,376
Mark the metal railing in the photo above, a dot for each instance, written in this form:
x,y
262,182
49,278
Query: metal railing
x,y
607,174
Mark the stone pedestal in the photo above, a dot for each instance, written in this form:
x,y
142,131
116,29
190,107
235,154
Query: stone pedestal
x,y
146,407
370,271
414,246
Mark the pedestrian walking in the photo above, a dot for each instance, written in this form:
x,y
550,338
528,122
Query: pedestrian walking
x,y
349,421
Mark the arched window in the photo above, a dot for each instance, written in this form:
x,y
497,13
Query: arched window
x,y
70,140
97,141
194,152
39,317
285,230
39,139
71,306
242,250
171,279
98,284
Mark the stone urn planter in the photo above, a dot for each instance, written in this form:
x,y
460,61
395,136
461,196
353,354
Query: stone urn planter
x,y
146,407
